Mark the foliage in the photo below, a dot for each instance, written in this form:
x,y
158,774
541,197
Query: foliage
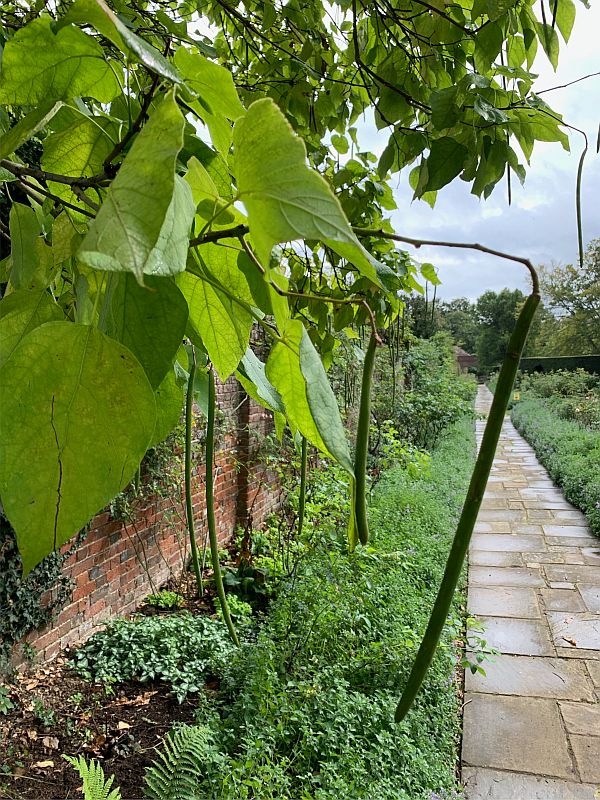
x,y
570,453
165,599
573,293
95,785
129,227
572,395
6,704
431,396
497,312
28,604
307,709
177,772
180,649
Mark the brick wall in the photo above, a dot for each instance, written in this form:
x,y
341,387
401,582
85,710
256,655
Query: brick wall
x,y
119,563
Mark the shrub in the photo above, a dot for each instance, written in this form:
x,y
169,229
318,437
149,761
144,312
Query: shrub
x,y
569,452
180,649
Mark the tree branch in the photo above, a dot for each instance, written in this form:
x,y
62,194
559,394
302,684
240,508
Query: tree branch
x,y
460,245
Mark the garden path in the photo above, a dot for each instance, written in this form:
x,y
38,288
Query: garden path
x,y
532,725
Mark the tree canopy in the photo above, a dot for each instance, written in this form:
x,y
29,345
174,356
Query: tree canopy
x,y
196,168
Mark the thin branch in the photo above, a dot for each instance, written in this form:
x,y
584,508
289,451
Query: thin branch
x,y
22,171
35,192
460,245
135,128
570,83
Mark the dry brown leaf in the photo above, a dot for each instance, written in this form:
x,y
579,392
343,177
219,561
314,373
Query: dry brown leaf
x,y
43,764
123,726
33,735
51,742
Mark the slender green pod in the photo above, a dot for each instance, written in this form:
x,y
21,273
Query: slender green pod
x,y
189,503
362,443
210,508
471,506
302,498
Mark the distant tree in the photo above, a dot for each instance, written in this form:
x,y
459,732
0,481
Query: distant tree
x,y
574,294
459,317
497,312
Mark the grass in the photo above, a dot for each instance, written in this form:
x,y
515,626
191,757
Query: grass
x,y
569,451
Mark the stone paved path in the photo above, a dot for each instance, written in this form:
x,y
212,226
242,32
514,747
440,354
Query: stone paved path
x,y
532,726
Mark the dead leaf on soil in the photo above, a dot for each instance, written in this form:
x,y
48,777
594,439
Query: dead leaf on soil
x,y
43,764
122,726
32,735
51,742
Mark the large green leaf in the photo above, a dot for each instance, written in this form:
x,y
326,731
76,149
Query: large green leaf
x,y
31,257
143,225
77,147
446,160
106,22
150,320
252,375
77,416
285,199
322,403
212,83
295,370
39,65
169,403
222,324
20,313
27,127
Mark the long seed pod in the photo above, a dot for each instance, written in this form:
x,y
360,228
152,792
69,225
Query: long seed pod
x,y
210,507
362,443
189,504
471,506
302,498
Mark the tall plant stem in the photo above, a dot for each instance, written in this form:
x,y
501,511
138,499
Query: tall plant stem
x,y
189,502
210,507
362,443
302,499
471,506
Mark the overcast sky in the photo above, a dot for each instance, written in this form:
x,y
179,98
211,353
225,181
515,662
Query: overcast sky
x,y
540,223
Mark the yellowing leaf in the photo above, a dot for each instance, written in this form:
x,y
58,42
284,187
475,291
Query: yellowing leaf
x,y
79,407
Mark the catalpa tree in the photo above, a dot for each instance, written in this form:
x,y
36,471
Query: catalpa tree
x,y
187,170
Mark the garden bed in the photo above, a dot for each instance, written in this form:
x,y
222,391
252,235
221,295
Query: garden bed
x,y
305,708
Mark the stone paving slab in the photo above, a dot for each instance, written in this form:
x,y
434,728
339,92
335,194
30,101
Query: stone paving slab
x,y
532,724
514,601
527,676
491,576
489,784
498,733
519,637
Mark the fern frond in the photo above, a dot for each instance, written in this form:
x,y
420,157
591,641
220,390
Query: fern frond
x,y
176,773
95,785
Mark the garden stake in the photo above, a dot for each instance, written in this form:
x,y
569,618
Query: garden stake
x,y
189,503
362,444
472,503
302,499
210,508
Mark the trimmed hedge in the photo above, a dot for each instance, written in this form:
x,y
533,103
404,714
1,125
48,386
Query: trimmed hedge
x,y
552,363
570,453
